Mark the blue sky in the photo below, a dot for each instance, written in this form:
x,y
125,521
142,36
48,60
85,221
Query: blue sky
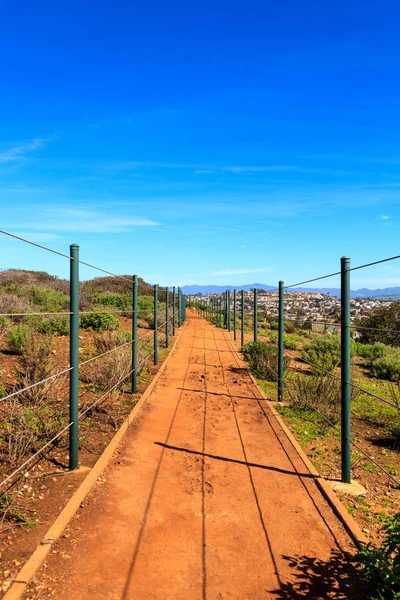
x,y
210,143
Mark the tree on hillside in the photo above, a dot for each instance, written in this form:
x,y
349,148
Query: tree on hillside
x,y
383,317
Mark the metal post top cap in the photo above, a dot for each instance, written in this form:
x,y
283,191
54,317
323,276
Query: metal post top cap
x,y
74,246
345,258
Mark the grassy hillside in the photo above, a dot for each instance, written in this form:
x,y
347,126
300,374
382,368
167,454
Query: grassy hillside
x,y
30,291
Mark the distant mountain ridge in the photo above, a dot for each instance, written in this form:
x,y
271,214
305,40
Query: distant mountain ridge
x,y
218,289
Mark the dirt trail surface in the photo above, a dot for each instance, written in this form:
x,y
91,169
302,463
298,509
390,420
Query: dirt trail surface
x,y
207,498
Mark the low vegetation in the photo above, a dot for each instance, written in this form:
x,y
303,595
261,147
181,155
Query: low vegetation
x,y
312,410
263,359
33,349
380,566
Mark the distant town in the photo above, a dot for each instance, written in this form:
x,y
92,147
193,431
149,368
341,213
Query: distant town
x,y
317,308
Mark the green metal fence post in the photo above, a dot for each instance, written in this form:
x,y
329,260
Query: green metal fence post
x,y
255,315
242,316
166,317
234,314
345,368
180,307
173,310
134,332
155,324
74,358
228,304
280,341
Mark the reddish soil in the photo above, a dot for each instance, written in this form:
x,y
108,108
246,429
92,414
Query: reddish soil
x,y
45,487
206,498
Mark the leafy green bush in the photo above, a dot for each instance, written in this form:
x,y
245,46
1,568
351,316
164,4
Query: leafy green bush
x,y
18,337
324,353
5,325
274,325
49,325
145,305
146,309
371,351
383,361
263,359
55,326
291,341
387,366
47,299
99,321
122,337
381,566
119,301
27,427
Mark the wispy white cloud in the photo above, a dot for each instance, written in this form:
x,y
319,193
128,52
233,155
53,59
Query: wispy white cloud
x,y
204,169
385,217
83,220
237,272
36,236
18,152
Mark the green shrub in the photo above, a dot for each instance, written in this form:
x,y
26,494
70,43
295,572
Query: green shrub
x,y
383,361
321,392
36,363
26,428
387,366
18,337
290,341
55,326
119,301
381,566
146,309
99,321
274,325
111,339
324,353
122,337
371,351
49,325
263,359
47,299
5,325
145,304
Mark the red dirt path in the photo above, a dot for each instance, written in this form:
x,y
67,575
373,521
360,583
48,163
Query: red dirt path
x,y
206,499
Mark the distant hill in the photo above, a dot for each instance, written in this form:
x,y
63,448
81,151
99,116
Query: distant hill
x,y
218,289
20,278
361,293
